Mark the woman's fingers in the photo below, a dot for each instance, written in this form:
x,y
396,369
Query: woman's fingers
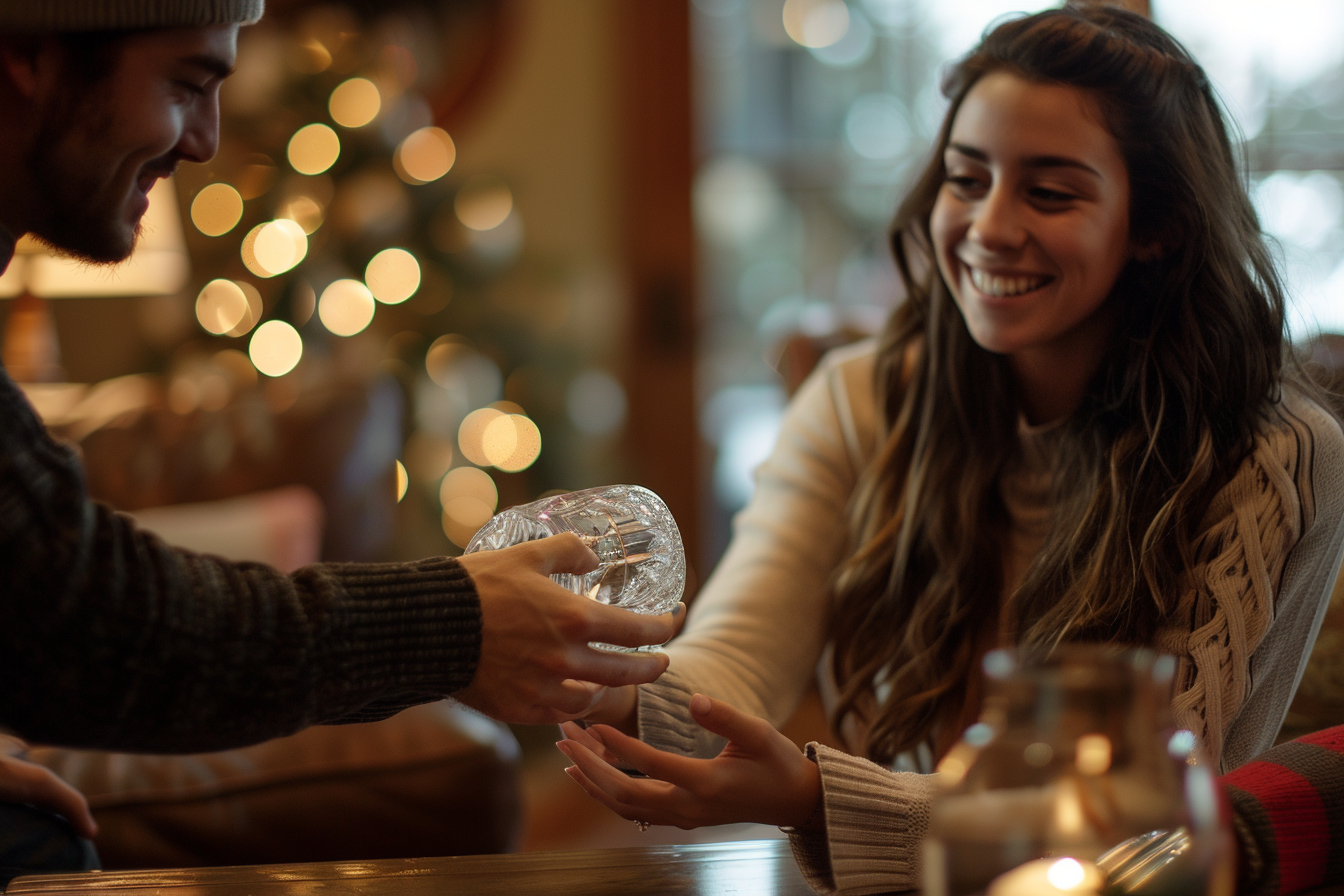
x,y
749,733
681,771
577,733
642,799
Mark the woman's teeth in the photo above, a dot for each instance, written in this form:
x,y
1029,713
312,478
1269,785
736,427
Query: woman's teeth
x,y
996,285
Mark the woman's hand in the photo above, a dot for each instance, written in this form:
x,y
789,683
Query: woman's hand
x,y
760,776
37,785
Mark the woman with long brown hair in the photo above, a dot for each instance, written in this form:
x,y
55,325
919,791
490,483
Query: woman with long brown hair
x,y
1083,424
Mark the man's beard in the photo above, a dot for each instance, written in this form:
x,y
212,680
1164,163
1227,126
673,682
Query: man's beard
x,y
80,219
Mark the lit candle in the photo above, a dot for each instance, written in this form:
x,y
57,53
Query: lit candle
x,y
1048,877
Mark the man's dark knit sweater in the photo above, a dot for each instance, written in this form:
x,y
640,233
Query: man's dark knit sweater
x,y
110,638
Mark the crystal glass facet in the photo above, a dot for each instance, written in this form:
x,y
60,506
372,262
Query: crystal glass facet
x,y
1075,774
642,565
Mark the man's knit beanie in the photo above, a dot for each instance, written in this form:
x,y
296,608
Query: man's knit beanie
x,y
40,16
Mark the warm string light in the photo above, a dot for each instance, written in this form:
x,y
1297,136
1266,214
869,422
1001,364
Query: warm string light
x,y
217,209
393,276
483,203
469,498
346,307
355,103
276,348
425,155
313,149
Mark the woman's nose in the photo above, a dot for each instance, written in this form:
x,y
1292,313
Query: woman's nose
x,y
996,221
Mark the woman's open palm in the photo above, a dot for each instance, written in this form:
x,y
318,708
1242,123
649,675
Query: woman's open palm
x,y
759,776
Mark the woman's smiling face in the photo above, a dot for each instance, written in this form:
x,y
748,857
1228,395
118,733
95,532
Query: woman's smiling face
x,y
1031,225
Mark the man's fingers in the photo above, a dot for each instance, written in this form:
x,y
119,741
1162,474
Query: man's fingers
x,y
614,670
613,625
26,782
570,698
559,553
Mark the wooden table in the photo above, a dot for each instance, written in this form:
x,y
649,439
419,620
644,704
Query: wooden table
x,y
743,868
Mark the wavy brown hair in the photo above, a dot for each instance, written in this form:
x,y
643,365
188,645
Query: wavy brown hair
x,y
1196,359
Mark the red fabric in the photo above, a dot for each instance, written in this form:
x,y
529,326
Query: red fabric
x,y
1301,826
1330,739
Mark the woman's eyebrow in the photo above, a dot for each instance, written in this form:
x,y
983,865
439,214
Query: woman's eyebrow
x,y
1030,162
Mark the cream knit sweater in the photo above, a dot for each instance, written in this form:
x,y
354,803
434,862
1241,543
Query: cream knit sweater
x,y
757,631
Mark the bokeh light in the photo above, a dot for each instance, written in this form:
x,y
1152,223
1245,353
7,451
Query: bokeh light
x,y
303,210
876,127
511,442
596,403
275,348
458,367
428,456
403,482
220,306
313,149
355,103
256,176
471,435
816,23
346,307
310,57
483,203
469,498
1065,874
735,199
393,276
1093,754
255,308
217,209
425,155
274,247
237,366
280,245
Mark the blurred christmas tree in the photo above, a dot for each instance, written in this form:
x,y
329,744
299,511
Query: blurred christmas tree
x,y
339,244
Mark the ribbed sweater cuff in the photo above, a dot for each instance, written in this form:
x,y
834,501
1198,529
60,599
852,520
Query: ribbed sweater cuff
x,y
875,823
411,629
664,718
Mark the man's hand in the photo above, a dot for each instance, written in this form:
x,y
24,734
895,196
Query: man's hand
x,y
36,785
536,667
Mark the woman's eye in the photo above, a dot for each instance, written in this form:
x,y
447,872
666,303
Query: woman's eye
x,y
963,183
191,87
1045,194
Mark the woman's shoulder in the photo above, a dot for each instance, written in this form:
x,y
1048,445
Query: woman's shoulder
x,y
1300,434
844,382
1297,460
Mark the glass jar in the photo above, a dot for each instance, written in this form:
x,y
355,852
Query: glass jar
x,y
1075,780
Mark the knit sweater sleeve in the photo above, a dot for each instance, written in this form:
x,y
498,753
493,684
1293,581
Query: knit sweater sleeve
x,y
875,822
758,627
1266,557
110,638
1288,813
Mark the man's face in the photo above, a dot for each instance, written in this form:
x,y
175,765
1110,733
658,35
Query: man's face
x,y
95,159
